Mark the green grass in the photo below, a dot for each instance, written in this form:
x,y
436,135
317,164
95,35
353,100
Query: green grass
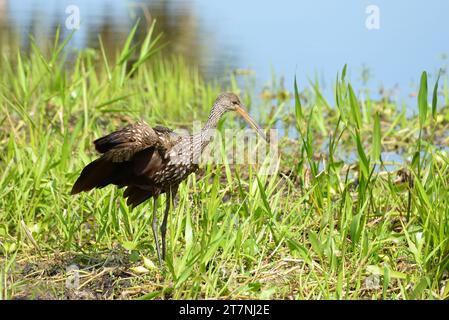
x,y
330,223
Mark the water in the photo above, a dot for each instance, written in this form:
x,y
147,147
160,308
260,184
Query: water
x,y
312,39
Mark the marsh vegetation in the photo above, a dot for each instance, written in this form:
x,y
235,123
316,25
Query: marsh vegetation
x,y
339,218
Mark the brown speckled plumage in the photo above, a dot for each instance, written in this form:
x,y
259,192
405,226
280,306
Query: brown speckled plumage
x,y
151,161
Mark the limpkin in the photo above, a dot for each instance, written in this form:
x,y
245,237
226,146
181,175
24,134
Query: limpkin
x,y
152,161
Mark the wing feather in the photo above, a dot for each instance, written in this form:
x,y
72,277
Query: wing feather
x,y
123,144
130,157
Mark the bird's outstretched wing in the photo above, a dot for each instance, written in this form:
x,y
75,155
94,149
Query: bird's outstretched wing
x,y
130,157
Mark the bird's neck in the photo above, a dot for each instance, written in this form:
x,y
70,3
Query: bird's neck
x,y
203,138
214,116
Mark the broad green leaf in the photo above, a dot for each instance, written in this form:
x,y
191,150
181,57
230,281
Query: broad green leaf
x,y
149,296
316,244
354,228
298,107
378,270
343,72
419,288
364,163
435,97
355,108
422,99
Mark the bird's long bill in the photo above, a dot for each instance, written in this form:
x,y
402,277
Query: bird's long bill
x,y
250,121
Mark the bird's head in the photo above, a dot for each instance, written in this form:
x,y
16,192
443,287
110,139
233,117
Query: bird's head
x,y
230,102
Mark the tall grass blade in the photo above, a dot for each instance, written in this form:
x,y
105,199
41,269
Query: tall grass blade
x,y
435,97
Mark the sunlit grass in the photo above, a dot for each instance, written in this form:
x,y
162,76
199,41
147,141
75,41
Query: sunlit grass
x,y
330,223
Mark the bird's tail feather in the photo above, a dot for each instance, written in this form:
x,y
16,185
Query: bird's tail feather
x,y
102,172
98,174
136,195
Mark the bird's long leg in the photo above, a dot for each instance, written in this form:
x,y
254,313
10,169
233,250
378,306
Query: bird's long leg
x,y
170,200
154,227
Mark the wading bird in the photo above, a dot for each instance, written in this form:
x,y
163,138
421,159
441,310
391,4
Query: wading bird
x,y
152,161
